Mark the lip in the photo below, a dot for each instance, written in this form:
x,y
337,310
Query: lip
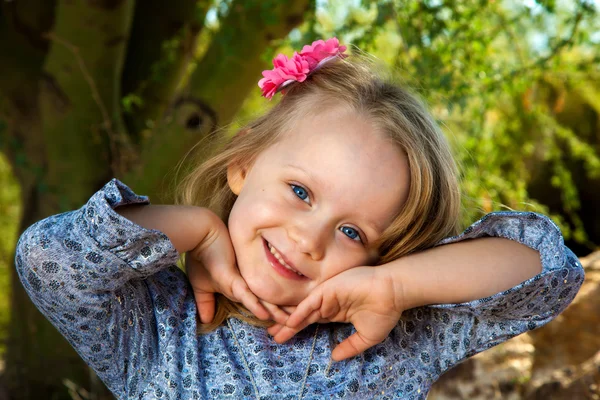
x,y
280,269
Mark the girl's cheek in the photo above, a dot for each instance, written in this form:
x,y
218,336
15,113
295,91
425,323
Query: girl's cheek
x,y
347,256
268,209
253,214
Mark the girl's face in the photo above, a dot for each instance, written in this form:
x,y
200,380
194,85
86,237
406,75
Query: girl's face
x,y
313,204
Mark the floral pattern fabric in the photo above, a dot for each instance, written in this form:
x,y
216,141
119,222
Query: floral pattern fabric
x,y
113,290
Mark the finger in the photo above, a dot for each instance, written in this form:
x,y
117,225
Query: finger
x,y
288,309
205,302
308,306
242,293
277,313
286,333
215,251
274,329
350,347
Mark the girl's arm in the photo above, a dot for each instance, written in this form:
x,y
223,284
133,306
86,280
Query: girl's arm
x,y
111,287
462,272
516,275
462,329
86,272
185,226
210,260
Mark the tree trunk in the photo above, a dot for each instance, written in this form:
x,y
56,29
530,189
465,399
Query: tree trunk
x,y
80,100
162,43
224,76
36,353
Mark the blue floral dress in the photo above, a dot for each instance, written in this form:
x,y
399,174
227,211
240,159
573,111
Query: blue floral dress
x,y
113,290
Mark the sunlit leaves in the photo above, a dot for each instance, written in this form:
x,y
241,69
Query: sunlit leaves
x,y
10,210
490,71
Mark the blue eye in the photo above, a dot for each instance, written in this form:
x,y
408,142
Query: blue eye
x,y
301,193
350,232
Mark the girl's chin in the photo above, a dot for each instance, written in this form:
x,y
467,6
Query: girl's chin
x,y
272,293
277,299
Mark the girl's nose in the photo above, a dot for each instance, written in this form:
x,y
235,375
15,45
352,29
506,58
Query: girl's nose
x,y
310,237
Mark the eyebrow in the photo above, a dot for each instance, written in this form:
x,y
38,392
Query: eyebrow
x,y
312,177
375,227
378,230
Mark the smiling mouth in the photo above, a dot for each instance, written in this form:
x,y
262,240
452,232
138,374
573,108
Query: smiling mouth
x,y
278,261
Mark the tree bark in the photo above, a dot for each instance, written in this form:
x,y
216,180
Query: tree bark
x,y
32,341
162,43
224,76
80,100
21,27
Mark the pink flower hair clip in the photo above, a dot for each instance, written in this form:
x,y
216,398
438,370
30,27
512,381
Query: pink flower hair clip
x,y
300,66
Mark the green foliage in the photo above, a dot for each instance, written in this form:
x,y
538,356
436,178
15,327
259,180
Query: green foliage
x,y
10,210
131,101
492,73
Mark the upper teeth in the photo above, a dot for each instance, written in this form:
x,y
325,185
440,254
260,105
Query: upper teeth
x,y
280,259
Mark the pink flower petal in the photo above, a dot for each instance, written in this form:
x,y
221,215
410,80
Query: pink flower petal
x,y
299,66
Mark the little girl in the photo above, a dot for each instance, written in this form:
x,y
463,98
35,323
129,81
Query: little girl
x,y
336,201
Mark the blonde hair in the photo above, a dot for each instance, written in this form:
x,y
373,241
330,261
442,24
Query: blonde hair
x,y
431,211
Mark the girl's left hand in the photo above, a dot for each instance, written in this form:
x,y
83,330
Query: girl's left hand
x,y
367,297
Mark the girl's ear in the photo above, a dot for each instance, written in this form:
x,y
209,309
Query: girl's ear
x,y
236,176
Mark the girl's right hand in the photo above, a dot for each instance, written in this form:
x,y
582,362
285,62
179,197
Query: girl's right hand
x,y
211,268
209,261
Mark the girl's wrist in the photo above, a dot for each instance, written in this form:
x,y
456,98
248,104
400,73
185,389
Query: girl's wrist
x,y
185,226
408,290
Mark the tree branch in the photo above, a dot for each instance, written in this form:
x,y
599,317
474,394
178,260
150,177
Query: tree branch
x,y
107,124
80,101
232,64
162,42
223,78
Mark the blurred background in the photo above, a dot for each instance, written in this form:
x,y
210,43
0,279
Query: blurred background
x,y
94,89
